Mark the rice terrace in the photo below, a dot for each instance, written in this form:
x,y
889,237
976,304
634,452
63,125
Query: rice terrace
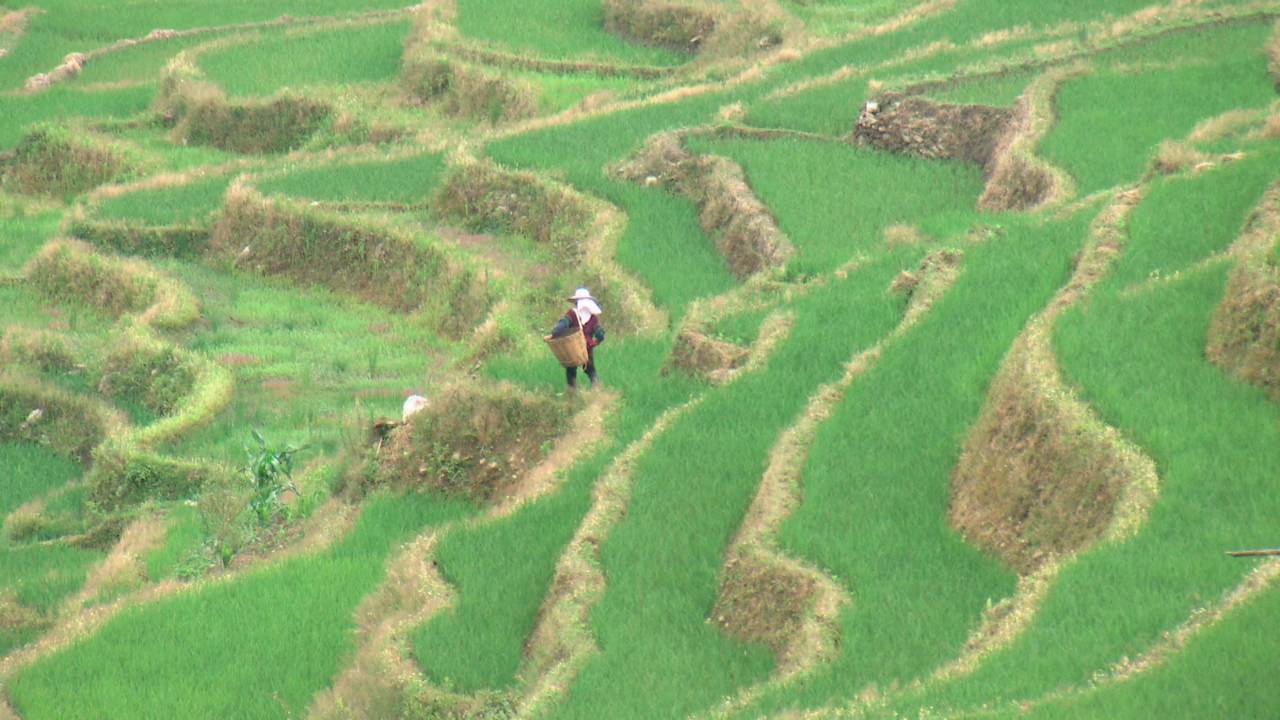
x,y
932,355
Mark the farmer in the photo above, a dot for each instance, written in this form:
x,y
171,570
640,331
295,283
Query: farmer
x,y
585,313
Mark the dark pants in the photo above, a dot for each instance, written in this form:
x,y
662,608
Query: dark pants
x,y
571,373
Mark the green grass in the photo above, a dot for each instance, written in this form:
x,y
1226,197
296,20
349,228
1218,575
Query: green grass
x,y
404,180
31,471
22,235
64,102
871,190
68,26
310,366
558,29
181,550
1204,680
1139,361
257,646
876,483
1195,217
999,90
502,571
1101,146
189,204
276,60
690,492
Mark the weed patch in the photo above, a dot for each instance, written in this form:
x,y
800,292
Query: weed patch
x,y
33,412
923,128
51,161
382,265
466,90
470,441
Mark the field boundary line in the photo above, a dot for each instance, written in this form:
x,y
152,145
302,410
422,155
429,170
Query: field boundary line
x,y
561,642
780,492
74,62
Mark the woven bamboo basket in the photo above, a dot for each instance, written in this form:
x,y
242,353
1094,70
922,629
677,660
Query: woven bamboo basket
x,y
570,350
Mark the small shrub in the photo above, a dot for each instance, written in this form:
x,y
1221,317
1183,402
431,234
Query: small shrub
x,y
49,161
270,472
488,198
154,374
36,413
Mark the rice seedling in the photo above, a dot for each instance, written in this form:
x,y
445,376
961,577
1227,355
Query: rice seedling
x,y
294,617
554,29
405,180
274,60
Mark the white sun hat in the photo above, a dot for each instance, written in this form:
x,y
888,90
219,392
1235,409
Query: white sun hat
x,y
585,305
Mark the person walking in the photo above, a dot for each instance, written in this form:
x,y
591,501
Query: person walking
x,y
585,313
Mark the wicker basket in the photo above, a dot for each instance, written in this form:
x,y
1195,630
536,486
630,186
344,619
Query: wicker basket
x,y
570,350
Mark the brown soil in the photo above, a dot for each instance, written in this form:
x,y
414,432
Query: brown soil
x,y
660,23
238,359
920,127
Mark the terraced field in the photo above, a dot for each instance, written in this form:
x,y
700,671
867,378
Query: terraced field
x,y
941,373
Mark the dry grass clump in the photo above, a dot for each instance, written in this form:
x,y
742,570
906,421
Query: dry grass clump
x,y
1174,156
923,128
1244,336
661,23
698,354
50,161
901,234
127,238
490,199
381,265
763,603
472,440
465,90
67,269
744,231
1220,126
40,349
33,412
201,114
1030,483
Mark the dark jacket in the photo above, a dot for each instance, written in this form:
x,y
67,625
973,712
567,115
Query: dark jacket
x,y
592,331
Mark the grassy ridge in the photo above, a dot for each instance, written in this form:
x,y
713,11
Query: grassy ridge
x,y
876,483
258,646
503,571
1221,69
1212,439
661,657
